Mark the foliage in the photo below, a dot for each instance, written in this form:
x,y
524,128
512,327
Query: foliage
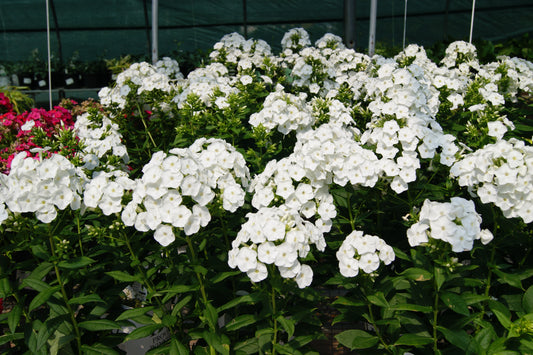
x,y
212,214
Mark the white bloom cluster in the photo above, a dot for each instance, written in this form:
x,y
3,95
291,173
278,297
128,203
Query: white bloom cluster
x,y
42,186
234,49
137,79
455,222
105,191
363,252
204,83
170,67
278,236
332,111
461,55
331,153
284,111
295,39
500,173
209,168
99,137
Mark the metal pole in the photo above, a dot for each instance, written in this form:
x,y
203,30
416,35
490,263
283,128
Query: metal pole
x,y
472,21
349,23
154,31
49,55
404,23
372,30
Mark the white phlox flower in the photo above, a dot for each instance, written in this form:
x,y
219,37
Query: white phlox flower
x,y
275,236
41,187
364,252
500,173
208,169
456,223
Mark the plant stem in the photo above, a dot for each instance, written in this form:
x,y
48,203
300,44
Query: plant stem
x,y
145,126
274,320
64,294
435,316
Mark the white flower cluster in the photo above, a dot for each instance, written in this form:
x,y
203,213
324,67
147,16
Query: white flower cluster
x,y
194,176
278,236
170,67
105,191
204,83
456,223
295,39
500,173
99,137
284,111
234,49
331,153
137,79
461,55
41,186
363,252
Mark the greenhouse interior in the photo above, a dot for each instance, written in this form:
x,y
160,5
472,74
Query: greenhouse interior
x,y
266,177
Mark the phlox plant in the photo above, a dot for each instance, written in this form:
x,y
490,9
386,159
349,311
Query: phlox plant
x,y
266,200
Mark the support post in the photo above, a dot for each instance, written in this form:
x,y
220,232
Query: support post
x,y
154,31
372,29
349,23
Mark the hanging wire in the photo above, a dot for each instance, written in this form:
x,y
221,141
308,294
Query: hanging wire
x,y
49,55
472,21
404,23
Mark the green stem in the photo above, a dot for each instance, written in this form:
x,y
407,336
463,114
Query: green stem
x,y
200,278
145,280
274,320
64,294
435,317
145,126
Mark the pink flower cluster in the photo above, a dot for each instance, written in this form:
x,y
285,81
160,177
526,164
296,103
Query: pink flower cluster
x,y
17,130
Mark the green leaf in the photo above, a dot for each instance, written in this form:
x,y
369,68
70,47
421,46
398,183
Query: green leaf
x,y
42,297
37,285
5,287
414,340
224,275
41,270
344,301
98,349
13,318
177,348
211,315
134,313
287,324
510,279
10,337
179,289
251,298
411,307
143,332
417,274
76,263
248,346
440,277
455,302
86,299
240,322
501,312
178,306
123,276
218,341
356,339
527,300
378,299
99,324
458,337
